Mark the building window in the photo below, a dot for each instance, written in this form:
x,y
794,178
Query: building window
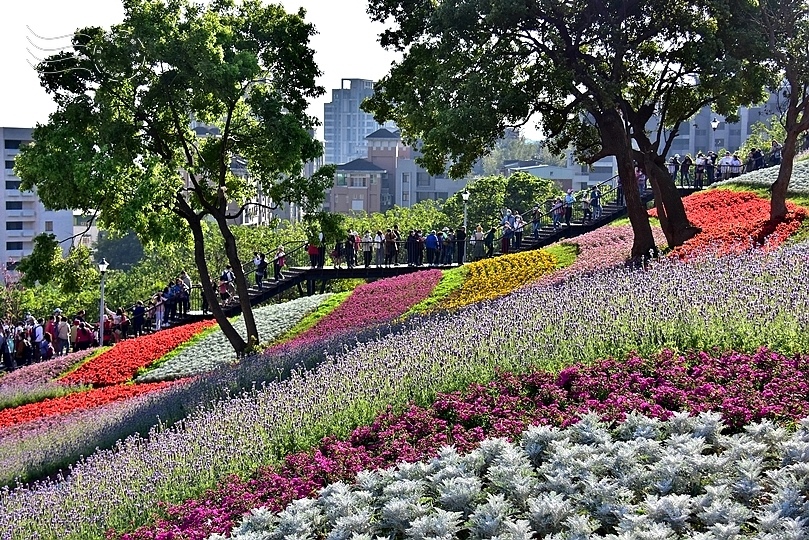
x,y
405,197
405,177
13,184
359,182
12,144
9,164
49,226
13,225
13,246
85,239
341,179
373,179
13,205
11,266
422,179
423,196
442,195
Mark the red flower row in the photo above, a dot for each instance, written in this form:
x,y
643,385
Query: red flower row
x,y
733,221
122,362
77,401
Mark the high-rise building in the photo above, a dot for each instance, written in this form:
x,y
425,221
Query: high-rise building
x,y
345,125
22,214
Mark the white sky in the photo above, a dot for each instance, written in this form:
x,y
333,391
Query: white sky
x,y
346,47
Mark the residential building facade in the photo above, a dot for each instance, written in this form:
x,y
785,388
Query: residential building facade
x,y
357,187
22,214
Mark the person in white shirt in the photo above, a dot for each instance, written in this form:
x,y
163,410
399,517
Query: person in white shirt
x,y
725,165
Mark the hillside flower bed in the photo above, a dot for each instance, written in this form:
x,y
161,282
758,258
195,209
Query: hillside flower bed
x,y
608,313
29,384
214,350
733,221
80,400
603,248
764,178
742,387
369,304
121,362
492,278
642,479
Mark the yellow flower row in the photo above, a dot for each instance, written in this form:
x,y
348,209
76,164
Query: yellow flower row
x,y
492,278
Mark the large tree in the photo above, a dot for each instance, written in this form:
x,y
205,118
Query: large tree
x,y
121,140
784,25
592,70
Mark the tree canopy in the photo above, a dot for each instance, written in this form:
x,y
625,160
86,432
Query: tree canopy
x,y
122,141
590,71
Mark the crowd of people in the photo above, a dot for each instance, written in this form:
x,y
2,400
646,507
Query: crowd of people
x,y
34,340
392,248
707,168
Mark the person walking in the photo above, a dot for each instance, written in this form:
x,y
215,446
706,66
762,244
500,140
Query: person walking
x,y
519,226
261,270
488,241
367,248
278,262
569,201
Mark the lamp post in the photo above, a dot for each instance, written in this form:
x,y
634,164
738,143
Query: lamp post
x,y
102,267
465,197
714,125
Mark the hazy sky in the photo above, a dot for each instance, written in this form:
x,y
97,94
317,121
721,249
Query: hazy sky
x,y
346,47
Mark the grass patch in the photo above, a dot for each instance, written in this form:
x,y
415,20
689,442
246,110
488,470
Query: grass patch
x,y
565,253
35,395
451,281
313,318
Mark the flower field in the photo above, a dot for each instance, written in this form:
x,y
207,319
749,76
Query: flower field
x,y
492,278
764,178
121,363
664,386
373,303
296,442
75,401
600,249
240,434
733,221
214,350
683,478
33,383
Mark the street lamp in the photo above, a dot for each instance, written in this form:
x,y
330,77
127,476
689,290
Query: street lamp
x,y
714,125
465,197
102,267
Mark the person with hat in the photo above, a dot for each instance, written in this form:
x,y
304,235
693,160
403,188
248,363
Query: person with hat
x,y
725,165
674,166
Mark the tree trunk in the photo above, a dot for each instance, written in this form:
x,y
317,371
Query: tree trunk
x,y
669,204
778,202
241,283
615,141
239,345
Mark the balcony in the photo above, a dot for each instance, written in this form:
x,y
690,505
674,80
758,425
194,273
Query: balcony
x,y
27,233
20,213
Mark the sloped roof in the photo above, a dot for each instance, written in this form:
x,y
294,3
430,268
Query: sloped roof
x,y
383,133
360,165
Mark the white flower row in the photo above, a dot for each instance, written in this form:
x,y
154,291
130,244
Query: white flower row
x,y
214,350
645,479
798,183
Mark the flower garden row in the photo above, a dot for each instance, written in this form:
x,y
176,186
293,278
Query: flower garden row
x,y
667,305
643,479
745,388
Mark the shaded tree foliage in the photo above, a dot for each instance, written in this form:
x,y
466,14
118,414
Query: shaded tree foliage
x,y
121,140
593,72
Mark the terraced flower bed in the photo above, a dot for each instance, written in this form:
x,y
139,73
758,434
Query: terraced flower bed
x,y
488,279
734,221
121,363
738,388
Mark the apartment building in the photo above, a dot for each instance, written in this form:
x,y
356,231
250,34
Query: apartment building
x,y
345,125
22,214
